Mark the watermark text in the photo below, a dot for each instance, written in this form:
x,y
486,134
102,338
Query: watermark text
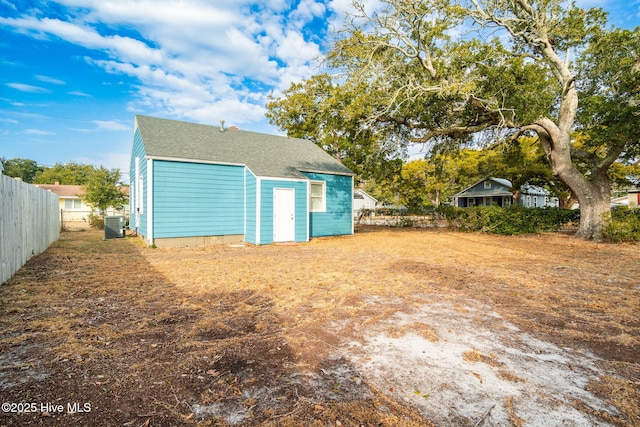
x,y
46,408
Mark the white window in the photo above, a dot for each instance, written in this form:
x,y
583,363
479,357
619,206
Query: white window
x,y
528,204
535,201
70,204
487,184
318,196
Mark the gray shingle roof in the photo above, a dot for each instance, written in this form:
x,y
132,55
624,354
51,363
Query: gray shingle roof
x,y
265,155
504,190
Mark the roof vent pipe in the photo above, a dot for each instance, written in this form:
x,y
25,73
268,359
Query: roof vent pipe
x,y
221,125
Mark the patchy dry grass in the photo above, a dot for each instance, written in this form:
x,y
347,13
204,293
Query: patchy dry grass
x,y
256,335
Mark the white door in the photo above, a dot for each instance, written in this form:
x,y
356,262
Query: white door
x,y
284,221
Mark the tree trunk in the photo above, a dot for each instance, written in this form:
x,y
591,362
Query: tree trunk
x,y
593,193
568,202
593,190
595,207
516,196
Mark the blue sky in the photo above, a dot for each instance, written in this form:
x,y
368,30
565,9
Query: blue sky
x,y
75,72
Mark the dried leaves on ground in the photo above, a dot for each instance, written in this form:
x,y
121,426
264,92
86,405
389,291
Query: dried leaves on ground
x,y
113,332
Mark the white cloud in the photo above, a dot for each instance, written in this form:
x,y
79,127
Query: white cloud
x,y
111,125
104,126
343,7
192,58
295,51
78,93
8,4
38,132
308,10
48,79
27,88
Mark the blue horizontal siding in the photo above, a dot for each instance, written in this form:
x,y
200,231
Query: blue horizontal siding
x,y
337,219
250,235
193,199
266,208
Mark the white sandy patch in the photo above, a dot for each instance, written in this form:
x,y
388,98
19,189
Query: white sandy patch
x,y
541,379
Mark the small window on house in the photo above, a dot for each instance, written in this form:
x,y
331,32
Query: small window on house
x,y
528,205
70,204
317,197
535,201
487,184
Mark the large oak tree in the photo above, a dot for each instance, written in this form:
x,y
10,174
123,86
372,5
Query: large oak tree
x,y
443,72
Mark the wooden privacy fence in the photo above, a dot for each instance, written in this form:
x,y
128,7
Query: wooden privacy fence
x,y
28,223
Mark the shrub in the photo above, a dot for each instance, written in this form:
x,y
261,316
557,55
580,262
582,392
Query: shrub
x,y
96,221
511,220
624,225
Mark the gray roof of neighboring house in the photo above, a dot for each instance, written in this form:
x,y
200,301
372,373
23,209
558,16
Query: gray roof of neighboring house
x,y
265,155
66,191
505,189
360,192
534,190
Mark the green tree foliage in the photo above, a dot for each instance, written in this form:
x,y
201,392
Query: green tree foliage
x,y
417,188
625,225
102,189
409,80
384,185
329,115
24,169
609,88
430,181
65,173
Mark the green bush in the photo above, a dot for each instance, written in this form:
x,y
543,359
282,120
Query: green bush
x,y
624,225
96,221
511,220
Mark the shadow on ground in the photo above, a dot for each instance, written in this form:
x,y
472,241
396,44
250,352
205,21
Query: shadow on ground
x,y
92,335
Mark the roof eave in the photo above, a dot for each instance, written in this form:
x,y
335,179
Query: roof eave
x,y
328,172
188,160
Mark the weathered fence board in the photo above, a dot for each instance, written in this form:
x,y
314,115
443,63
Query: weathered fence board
x,y
28,223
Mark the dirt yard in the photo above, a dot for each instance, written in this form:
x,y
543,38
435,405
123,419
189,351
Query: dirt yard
x,y
390,327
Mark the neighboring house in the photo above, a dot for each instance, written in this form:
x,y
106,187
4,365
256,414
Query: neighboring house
x,y
532,196
487,192
620,201
194,184
499,192
72,207
363,200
